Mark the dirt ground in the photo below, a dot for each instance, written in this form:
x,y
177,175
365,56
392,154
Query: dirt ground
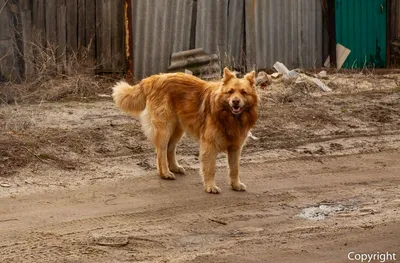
x,y
78,182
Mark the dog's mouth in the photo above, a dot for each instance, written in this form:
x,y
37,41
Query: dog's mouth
x,y
236,109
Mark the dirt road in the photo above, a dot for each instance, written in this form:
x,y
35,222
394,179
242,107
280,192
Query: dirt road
x,y
78,183
175,221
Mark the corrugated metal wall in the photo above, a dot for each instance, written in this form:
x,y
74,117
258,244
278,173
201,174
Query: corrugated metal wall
x,y
361,27
236,35
244,33
289,31
212,25
220,29
162,27
159,28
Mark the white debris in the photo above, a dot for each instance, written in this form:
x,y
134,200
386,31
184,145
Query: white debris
x,y
276,75
320,84
341,55
250,135
281,68
323,75
300,78
188,72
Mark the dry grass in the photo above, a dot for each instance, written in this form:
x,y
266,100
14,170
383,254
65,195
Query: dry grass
x,y
56,78
12,119
292,92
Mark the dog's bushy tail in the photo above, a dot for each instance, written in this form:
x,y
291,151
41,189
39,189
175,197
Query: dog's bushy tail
x,y
130,99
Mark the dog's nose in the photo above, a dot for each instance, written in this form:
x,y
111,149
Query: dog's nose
x,y
235,101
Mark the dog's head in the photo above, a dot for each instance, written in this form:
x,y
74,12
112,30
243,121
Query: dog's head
x,y
237,95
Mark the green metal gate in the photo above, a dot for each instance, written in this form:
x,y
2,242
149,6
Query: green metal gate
x,y
361,27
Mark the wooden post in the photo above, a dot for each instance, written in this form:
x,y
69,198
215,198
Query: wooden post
x,y
331,23
390,28
128,38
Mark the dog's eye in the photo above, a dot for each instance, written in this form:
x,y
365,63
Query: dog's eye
x,y
244,92
230,91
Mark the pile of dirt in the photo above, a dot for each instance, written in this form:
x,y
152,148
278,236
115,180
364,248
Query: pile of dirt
x,y
18,151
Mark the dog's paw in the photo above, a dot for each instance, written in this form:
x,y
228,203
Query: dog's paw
x,y
168,176
239,187
178,169
213,189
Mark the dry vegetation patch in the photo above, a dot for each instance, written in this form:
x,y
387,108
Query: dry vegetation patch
x,y
55,79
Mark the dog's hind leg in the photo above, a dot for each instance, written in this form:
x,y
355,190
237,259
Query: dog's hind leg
x,y
160,141
175,138
159,134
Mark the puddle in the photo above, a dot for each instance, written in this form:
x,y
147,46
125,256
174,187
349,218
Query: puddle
x,y
321,212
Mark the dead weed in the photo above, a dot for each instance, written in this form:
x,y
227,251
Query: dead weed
x,y
56,78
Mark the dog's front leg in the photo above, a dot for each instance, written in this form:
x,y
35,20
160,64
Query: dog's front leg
x,y
233,161
208,156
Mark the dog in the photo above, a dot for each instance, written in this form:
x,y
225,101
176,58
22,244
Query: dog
x,y
218,114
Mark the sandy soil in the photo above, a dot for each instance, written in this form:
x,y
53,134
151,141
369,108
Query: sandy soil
x,y
78,183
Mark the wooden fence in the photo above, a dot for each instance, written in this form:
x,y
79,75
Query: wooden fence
x,y
63,28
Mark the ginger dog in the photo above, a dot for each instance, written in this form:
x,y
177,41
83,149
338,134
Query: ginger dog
x,y
218,114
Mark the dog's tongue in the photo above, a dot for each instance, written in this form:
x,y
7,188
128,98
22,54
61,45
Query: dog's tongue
x,y
236,110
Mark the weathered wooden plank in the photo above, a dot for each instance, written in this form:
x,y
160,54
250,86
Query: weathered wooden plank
x,y
107,15
61,35
90,25
11,64
6,45
103,17
7,69
99,27
81,24
117,32
398,18
17,40
38,18
106,34
25,9
51,26
72,32
4,22
26,21
72,25
25,5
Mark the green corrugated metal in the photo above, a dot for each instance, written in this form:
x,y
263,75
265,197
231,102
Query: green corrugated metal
x,y
361,27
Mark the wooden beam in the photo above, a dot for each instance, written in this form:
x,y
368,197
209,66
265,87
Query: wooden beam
x,y
332,31
128,38
390,29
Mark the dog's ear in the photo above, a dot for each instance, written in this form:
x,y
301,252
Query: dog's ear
x,y
251,77
227,75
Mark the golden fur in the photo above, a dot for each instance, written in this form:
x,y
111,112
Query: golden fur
x,y
218,114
